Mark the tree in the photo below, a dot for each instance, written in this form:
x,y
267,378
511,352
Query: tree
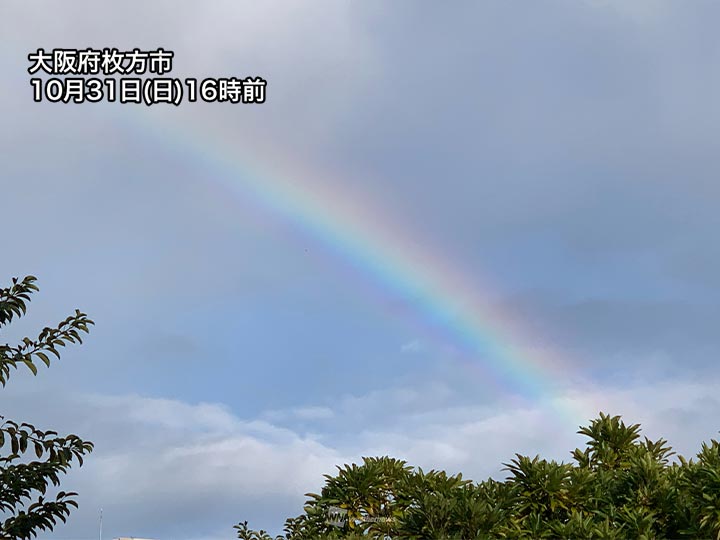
x,y
24,480
619,486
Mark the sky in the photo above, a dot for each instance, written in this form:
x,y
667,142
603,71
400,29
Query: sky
x,y
453,232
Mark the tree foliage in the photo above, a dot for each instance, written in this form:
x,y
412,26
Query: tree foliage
x,y
33,460
619,486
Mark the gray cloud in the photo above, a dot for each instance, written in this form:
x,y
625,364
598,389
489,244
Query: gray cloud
x,y
565,154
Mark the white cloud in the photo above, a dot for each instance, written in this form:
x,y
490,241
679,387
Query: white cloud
x,y
173,456
175,469
413,346
300,413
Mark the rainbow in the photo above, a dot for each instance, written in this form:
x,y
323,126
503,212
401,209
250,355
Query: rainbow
x,y
356,230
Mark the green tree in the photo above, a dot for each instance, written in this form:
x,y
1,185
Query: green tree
x,y
33,460
619,486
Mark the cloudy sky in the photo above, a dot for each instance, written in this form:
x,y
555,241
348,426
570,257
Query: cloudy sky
x,y
253,270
